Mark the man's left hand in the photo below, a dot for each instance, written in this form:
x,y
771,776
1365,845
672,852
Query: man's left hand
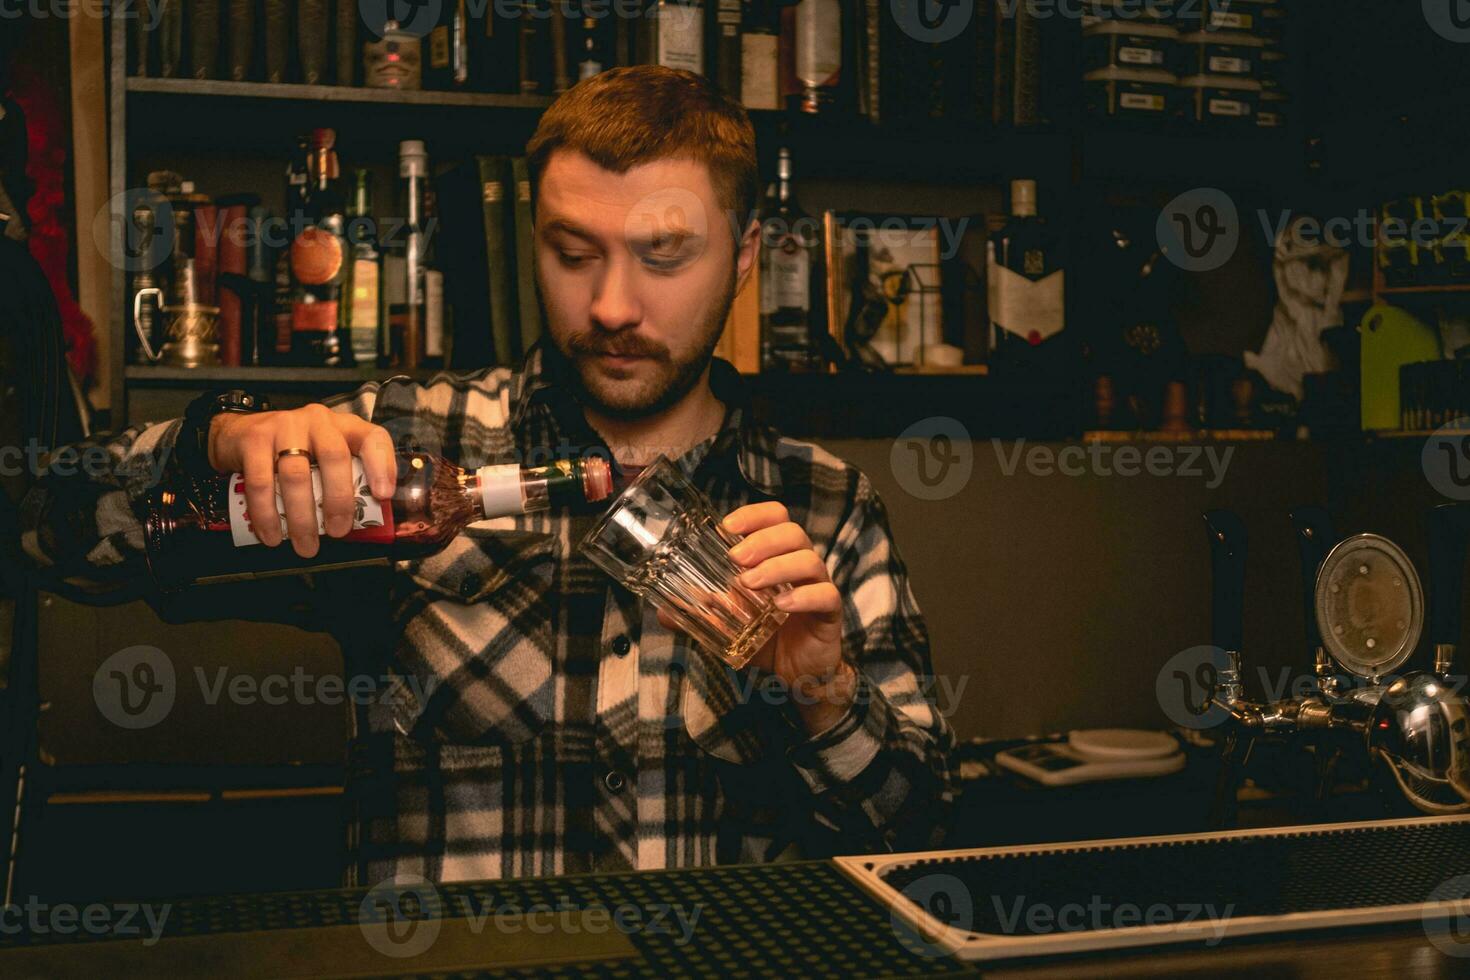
x,y
806,652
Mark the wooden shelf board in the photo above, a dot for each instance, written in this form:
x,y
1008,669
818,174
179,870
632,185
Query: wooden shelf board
x,y
333,93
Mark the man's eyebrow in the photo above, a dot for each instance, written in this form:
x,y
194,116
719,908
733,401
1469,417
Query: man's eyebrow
x,y
568,227
664,237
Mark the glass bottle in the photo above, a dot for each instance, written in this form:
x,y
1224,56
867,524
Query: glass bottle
x,y
204,535
791,279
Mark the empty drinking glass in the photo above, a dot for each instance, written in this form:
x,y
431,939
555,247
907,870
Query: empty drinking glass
x,y
661,539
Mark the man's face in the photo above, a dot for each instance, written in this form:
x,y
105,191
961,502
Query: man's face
x,y
637,272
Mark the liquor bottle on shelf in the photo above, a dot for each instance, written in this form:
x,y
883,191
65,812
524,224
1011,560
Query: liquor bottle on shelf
x,y
1025,283
407,318
259,325
674,35
594,58
203,535
279,349
494,42
760,56
392,59
791,279
818,53
723,30
361,316
319,259
435,331
533,47
447,66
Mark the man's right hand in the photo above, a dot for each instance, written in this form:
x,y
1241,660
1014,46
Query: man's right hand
x,y
249,444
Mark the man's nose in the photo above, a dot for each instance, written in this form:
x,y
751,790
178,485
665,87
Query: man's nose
x,y
616,304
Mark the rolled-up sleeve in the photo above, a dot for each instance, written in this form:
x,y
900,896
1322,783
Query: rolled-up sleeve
x,y
882,774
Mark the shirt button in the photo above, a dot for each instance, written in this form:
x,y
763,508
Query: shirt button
x,y
621,645
469,585
614,781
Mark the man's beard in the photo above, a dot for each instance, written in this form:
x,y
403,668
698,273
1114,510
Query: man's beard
x,y
633,399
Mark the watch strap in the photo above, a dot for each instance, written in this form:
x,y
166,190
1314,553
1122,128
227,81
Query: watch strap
x,y
192,445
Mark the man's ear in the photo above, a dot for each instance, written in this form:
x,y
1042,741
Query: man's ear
x,y
749,254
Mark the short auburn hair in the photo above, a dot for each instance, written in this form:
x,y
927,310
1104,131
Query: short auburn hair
x,y
624,117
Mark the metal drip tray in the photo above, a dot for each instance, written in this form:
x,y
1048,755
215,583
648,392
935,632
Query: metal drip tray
x,y
1007,902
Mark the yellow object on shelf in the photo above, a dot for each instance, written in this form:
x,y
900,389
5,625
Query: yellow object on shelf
x,y
1390,338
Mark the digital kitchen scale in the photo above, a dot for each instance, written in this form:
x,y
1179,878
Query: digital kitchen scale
x,y
1095,754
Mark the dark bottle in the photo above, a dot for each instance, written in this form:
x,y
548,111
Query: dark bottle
x,y
791,279
447,64
361,316
593,59
280,236
819,45
319,260
1025,283
205,537
403,263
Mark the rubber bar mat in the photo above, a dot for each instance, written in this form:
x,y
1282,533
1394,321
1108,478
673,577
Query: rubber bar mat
x,y
1004,902
792,919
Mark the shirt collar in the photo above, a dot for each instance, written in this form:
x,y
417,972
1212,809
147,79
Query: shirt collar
x,y
741,439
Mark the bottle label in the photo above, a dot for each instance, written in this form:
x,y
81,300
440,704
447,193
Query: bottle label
x,y
790,277
760,74
371,522
365,285
314,317
439,47
433,313
1030,309
316,257
681,36
501,494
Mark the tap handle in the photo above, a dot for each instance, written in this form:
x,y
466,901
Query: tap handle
x,y
1227,561
1449,532
1315,536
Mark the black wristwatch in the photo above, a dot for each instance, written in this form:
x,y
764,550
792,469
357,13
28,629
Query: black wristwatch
x,y
193,442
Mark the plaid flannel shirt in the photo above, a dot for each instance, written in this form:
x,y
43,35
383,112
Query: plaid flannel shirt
x,y
540,720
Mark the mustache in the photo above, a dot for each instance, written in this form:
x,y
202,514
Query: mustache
x,y
625,346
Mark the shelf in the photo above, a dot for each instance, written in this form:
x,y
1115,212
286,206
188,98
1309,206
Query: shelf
x,y
1424,290
1253,160
164,376
1190,436
177,118
190,87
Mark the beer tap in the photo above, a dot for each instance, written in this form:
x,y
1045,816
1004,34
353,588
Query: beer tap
x,y
1315,537
1420,727
1365,617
